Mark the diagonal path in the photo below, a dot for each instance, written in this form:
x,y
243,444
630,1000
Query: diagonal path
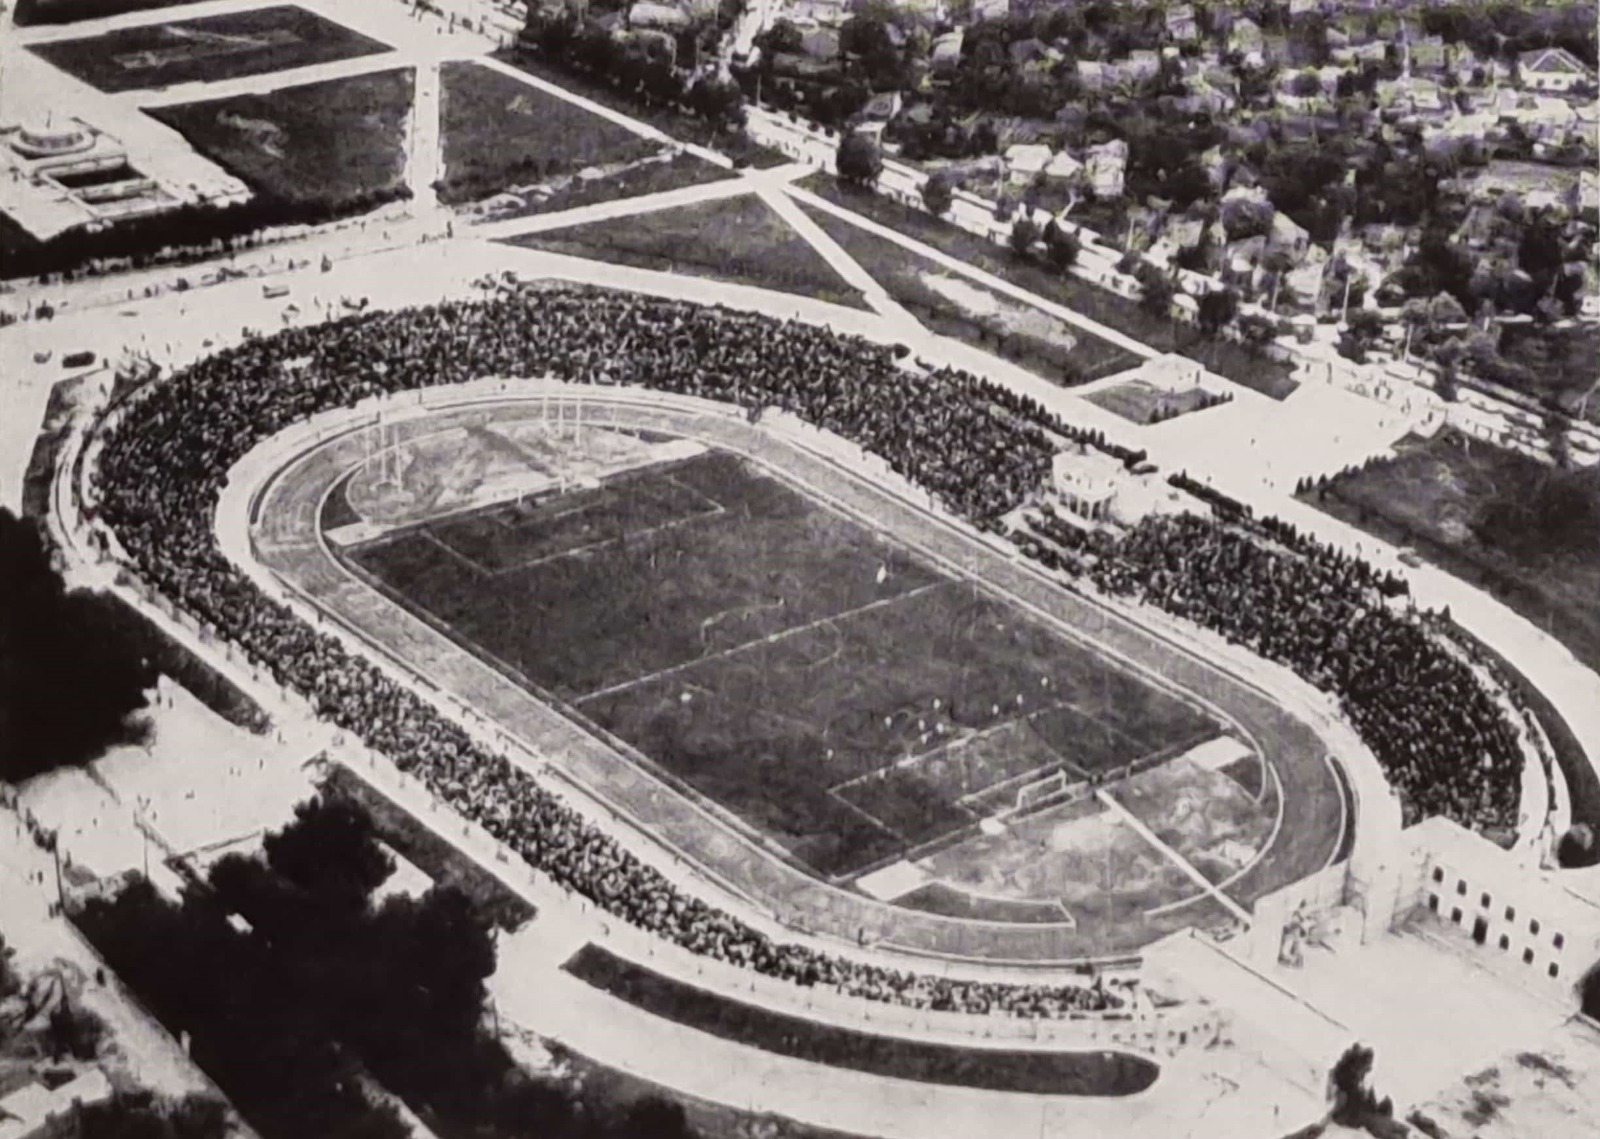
x,y
616,208
1133,822
988,280
840,261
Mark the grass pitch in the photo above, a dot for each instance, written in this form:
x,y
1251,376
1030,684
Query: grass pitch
x,y
210,48
734,239
831,690
340,143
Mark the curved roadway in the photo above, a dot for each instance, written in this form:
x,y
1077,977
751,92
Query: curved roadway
x,y
286,535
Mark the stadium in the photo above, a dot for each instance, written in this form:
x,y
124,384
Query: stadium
x,y
816,672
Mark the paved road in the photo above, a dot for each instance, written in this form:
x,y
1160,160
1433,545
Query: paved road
x,y
1308,838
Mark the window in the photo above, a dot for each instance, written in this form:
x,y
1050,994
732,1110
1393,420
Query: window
x,y
1505,941
1455,915
1433,902
1527,957
1511,913
1558,941
1555,970
1461,886
1438,874
1533,927
1485,902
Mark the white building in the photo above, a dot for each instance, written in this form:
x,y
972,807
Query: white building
x,y
1085,482
1552,69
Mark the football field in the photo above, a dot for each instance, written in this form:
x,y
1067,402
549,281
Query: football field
x,y
833,692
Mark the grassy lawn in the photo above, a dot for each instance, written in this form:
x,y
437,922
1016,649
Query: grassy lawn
x,y
340,142
210,48
652,175
732,239
679,124
1227,359
1524,530
29,13
1562,361
1098,1073
1143,403
956,306
499,132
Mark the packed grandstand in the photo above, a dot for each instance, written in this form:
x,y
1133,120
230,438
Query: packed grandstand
x,y
981,450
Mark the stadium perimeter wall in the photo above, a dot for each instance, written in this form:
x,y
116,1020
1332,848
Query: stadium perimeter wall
x,y
1147,1031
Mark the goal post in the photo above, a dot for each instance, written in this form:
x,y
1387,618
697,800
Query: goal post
x,y
1040,792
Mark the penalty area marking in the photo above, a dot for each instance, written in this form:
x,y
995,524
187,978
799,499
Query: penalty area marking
x,y
1172,856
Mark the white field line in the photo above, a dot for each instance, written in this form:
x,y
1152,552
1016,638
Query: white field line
x,y
771,638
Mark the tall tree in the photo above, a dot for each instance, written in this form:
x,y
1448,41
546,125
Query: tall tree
x,y
858,160
329,849
71,674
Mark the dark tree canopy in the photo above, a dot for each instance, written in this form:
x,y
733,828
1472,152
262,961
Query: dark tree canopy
x,y
859,160
70,674
329,849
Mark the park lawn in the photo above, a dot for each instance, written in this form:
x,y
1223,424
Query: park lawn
x,y
1232,361
678,123
211,48
1143,403
340,143
32,13
497,132
1096,1073
953,305
1562,364
740,239
654,175
1494,517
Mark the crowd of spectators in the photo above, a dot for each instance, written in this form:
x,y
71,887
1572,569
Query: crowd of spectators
x,y
1445,745
979,449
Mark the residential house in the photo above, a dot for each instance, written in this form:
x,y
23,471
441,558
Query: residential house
x,y
990,9
831,13
1288,236
883,106
1093,75
661,17
945,53
1139,66
1552,69
1356,54
1107,167
1217,166
1425,54
1181,23
1587,197
1245,37
1541,116
1025,162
